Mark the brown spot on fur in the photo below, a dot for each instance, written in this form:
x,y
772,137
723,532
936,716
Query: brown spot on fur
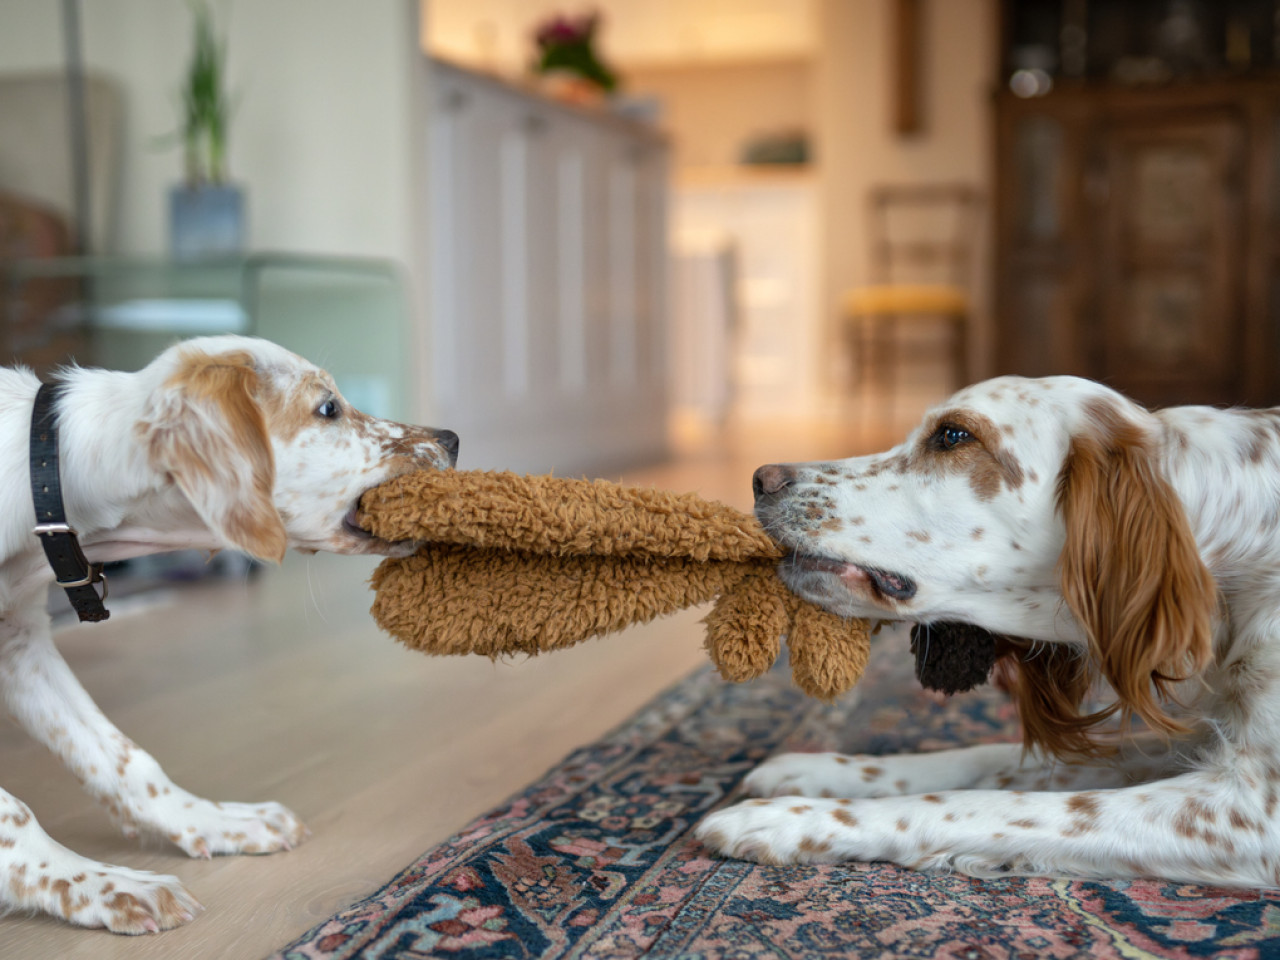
x,y
1083,805
989,466
212,440
845,817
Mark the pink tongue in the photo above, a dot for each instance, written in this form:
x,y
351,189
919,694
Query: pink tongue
x,y
854,576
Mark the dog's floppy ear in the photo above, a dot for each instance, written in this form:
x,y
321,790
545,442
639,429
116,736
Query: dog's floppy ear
x,y
1130,570
207,432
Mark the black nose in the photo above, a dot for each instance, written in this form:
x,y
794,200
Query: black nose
x,y
449,440
770,480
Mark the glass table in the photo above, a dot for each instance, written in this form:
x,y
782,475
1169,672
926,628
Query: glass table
x,y
349,315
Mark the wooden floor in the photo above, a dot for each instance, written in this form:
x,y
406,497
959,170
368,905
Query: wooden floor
x,y
283,689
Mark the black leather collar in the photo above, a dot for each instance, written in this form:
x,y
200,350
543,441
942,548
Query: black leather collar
x,y
74,573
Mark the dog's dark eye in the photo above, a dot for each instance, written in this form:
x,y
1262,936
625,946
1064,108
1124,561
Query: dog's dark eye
x,y
329,409
949,436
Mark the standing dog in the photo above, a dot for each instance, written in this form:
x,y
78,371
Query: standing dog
x,y
220,442
1140,548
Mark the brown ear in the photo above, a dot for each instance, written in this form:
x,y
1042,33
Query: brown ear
x,y
1130,570
208,434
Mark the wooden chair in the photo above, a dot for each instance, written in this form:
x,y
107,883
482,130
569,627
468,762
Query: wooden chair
x,y
921,241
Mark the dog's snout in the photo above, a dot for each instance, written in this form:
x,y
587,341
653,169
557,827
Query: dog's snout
x,y
771,479
448,440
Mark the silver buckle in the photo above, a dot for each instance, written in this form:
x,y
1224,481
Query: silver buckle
x,y
49,529
65,584
95,576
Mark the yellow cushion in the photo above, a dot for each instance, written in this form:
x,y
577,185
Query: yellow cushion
x,y
905,299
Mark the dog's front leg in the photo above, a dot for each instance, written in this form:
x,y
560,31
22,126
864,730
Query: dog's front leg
x,y
44,696
1192,828
38,873
985,766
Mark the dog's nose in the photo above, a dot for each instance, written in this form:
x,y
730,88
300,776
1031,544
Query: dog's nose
x,y
771,479
449,441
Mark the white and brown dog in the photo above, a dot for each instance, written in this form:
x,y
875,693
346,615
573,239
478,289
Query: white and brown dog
x,y
1134,547
220,442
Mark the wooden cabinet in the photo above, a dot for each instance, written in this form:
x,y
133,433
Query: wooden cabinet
x,y
548,279
1135,239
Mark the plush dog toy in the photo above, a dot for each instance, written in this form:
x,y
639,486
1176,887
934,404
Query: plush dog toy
x,y
524,564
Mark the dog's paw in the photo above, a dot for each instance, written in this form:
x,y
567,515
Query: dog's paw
x,y
207,829
777,832
90,894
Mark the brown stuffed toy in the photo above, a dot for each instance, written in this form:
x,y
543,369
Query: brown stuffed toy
x,y
520,564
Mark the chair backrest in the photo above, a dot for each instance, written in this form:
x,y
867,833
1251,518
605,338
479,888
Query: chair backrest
x,y
923,233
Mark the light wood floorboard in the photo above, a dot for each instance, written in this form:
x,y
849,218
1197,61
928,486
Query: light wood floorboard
x,y
283,689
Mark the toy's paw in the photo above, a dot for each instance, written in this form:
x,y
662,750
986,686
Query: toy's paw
x,y
778,832
819,775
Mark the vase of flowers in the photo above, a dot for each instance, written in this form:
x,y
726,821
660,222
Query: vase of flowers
x,y
207,210
567,61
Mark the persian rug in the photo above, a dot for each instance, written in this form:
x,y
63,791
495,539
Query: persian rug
x,y
596,860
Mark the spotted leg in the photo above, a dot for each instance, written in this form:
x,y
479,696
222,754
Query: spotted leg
x,y
38,873
44,696
1200,827
995,765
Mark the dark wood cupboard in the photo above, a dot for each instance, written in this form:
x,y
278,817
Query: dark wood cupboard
x,y
1136,234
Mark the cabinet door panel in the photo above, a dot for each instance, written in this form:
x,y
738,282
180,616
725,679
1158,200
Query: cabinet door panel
x,y
1171,263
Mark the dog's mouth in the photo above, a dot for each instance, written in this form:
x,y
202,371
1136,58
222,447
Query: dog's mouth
x,y
351,523
353,526
885,585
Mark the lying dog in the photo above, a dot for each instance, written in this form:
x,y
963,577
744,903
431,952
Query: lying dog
x,y
220,442
1138,548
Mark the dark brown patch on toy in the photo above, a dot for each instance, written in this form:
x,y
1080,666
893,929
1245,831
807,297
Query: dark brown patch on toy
x,y
953,657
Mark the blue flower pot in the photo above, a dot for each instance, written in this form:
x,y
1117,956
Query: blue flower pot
x,y
206,221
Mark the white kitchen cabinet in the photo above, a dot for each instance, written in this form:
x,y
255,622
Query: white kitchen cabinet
x,y
547,279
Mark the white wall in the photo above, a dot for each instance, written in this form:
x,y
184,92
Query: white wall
x,y
857,146
321,132
328,134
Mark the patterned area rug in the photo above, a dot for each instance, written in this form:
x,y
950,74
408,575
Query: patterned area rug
x,y
596,859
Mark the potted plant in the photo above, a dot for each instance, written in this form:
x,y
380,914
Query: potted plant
x,y
567,61
206,211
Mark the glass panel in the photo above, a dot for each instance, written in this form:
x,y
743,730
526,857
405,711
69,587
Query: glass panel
x,y
1174,188
1038,163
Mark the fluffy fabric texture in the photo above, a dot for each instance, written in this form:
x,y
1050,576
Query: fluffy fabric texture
x,y
523,564
953,657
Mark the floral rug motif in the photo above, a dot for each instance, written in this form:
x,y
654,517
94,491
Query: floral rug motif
x,y
597,860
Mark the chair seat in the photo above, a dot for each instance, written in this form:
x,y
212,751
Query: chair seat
x,y
905,298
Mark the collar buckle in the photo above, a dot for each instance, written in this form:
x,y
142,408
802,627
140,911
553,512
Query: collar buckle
x,y
53,529
71,570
